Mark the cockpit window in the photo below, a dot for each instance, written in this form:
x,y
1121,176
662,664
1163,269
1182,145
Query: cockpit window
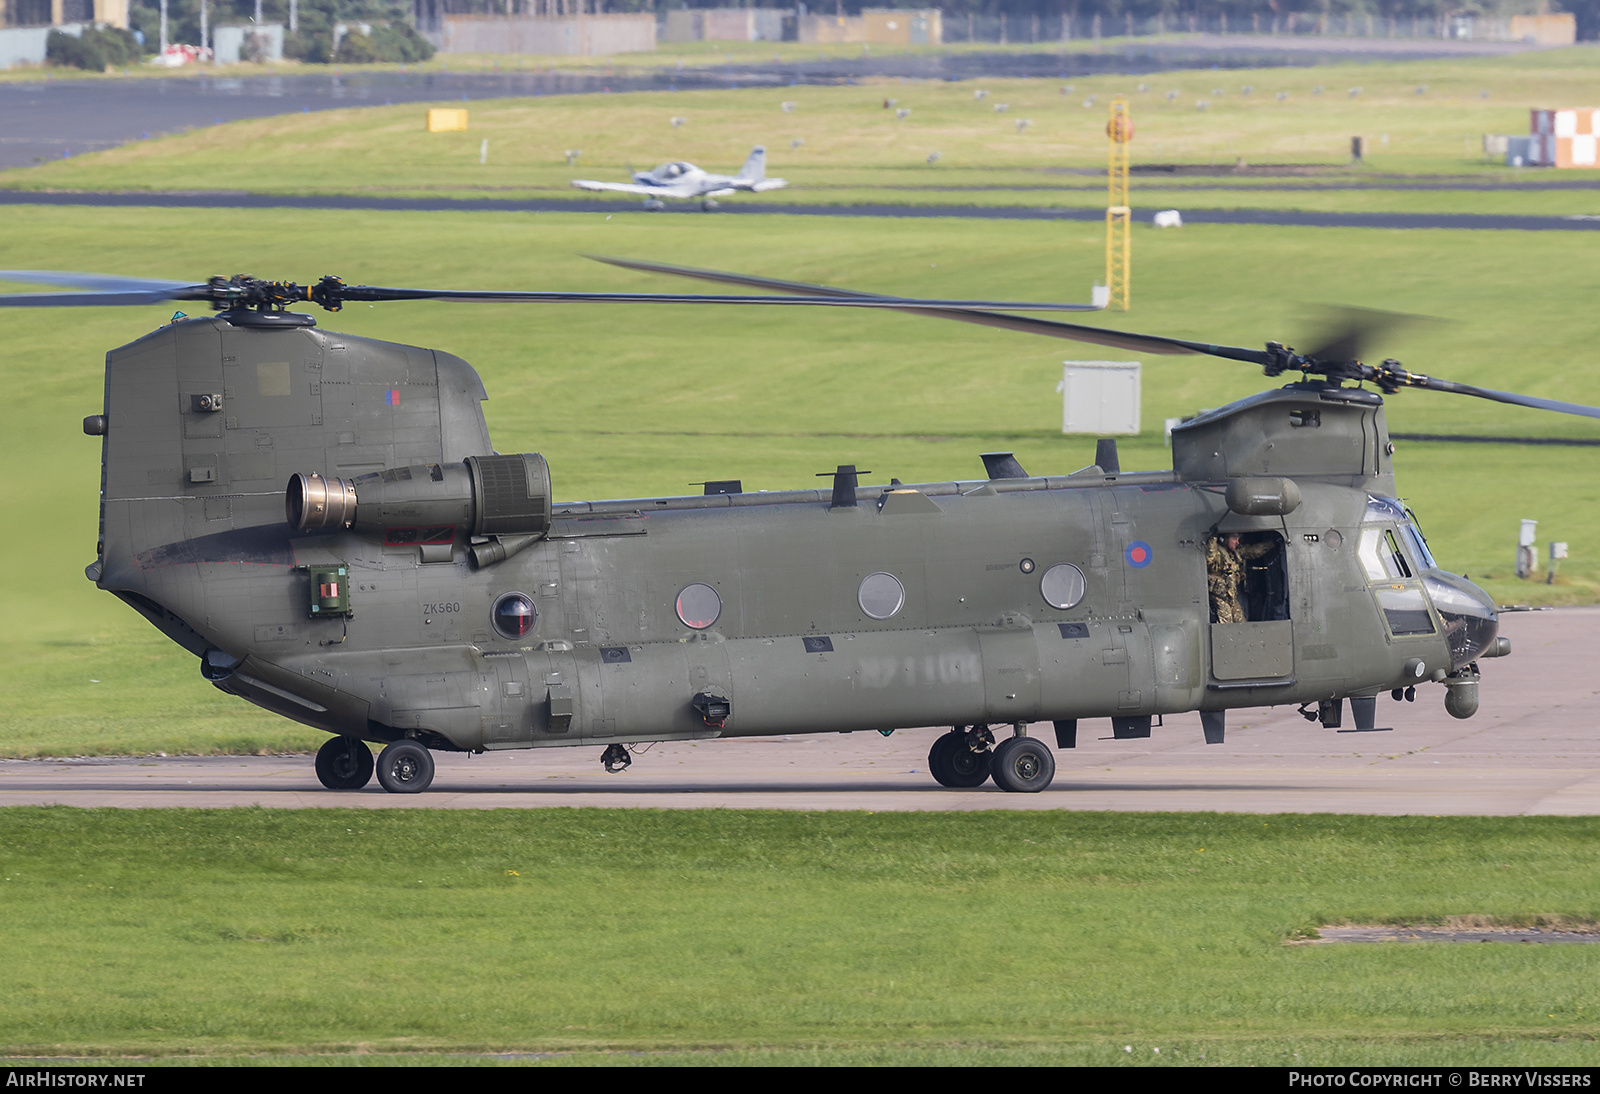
x,y
1392,553
1413,529
1381,556
1419,547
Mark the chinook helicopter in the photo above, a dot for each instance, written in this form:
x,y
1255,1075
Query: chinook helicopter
x,y
322,521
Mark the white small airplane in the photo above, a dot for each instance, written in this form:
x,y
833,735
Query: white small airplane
x,y
686,182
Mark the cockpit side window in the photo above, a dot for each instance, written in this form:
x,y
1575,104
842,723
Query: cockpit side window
x,y
1381,557
1395,556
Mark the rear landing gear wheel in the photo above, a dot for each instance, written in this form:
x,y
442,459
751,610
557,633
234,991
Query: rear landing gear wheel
x,y
405,767
1022,765
654,205
707,205
953,763
344,763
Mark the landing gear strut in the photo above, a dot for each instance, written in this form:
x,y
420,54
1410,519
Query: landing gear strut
x,y
616,758
344,763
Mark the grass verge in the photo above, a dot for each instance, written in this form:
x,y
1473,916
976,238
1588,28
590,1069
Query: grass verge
x,y
735,936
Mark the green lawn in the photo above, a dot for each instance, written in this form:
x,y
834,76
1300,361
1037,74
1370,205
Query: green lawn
x,y
650,401
730,936
854,149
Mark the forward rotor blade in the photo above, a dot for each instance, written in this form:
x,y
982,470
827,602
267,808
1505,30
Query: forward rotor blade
x,y
980,314
1432,383
1347,332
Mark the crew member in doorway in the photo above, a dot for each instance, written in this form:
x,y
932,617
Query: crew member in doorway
x,y
1225,559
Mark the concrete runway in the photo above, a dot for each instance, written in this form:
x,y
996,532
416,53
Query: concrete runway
x,y
1534,747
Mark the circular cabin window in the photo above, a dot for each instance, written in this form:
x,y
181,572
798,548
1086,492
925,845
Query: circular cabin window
x,y
514,615
699,606
881,595
1062,586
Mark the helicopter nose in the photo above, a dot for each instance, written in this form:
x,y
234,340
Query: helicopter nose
x,y
1470,621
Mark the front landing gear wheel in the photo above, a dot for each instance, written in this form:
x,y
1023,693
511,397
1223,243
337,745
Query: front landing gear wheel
x,y
405,767
1022,765
707,205
953,763
344,763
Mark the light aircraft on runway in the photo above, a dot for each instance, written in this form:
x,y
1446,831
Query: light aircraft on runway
x,y
686,182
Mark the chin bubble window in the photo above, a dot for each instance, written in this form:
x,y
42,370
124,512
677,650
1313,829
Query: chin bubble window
x,y
881,595
514,615
699,606
1062,586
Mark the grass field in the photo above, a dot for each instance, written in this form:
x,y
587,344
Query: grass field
x,y
1424,120
735,937
629,404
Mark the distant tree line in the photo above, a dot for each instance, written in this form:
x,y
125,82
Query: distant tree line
x,y
394,36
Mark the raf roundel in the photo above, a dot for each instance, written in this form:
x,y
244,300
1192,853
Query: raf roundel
x,y
1138,554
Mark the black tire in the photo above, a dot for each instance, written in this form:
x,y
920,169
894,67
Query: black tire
x,y
1022,765
405,767
344,763
953,764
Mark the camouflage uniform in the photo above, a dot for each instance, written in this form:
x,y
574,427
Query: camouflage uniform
x,y
1225,574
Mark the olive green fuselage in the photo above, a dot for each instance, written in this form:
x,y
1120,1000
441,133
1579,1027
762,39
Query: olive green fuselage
x,y
195,537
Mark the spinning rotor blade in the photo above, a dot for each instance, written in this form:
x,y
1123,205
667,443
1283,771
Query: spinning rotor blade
x,y
1349,331
332,293
1338,356
373,293
1337,359
1100,336
1433,383
104,290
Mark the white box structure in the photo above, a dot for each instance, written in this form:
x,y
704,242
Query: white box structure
x,y
1565,138
1099,397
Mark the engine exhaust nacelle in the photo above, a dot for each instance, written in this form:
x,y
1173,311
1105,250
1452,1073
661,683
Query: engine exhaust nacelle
x,y
484,496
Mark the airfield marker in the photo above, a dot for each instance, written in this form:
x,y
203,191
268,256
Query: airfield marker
x,y
1119,242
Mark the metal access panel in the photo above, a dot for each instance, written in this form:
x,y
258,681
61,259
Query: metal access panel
x,y
1100,397
1252,651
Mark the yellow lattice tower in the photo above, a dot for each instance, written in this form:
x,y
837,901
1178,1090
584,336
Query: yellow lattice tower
x,y
1119,241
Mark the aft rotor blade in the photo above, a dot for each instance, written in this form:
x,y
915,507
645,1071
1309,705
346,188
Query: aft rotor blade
x,y
101,299
375,293
980,314
98,282
104,290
